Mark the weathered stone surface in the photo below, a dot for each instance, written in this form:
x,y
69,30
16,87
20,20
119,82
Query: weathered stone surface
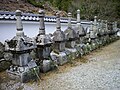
x,y
2,48
23,67
58,54
43,42
79,28
70,34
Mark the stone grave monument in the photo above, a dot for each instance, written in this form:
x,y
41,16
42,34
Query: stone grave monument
x,y
43,42
71,37
81,33
23,66
59,54
93,33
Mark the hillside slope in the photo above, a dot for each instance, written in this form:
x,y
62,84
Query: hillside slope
x,y
27,7
104,9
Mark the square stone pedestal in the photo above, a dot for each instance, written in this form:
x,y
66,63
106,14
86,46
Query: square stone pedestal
x,y
73,52
23,74
61,57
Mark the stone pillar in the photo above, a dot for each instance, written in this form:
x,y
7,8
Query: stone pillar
x,y
102,27
106,26
19,25
78,18
58,24
59,36
41,21
59,54
95,20
99,25
95,26
69,20
21,46
91,31
71,37
115,26
115,29
80,30
43,42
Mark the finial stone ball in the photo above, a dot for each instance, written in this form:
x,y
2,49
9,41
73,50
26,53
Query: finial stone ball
x,y
95,17
91,22
41,12
99,20
69,14
105,21
18,13
78,11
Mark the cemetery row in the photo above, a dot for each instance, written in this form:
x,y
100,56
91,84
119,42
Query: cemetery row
x,y
30,56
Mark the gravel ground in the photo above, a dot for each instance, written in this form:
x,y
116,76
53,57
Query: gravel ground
x,y
101,72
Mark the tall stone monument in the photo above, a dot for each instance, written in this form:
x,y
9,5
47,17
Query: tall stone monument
x,y
81,35
94,33
71,37
79,28
100,33
23,67
59,54
43,42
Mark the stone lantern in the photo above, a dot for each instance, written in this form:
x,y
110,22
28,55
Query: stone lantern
x,y
79,28
23,67
43,42
115,30
59,54
71,37
92,36
81,35
115,27
94,33
95,29
102,31
100,34
105,31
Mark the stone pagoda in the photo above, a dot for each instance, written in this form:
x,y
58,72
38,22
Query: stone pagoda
x,y
106,37
115,28
23,66
81,34
94,33
43,42
103,34
79,28
92,37
59,54
71,37
94,29
100,33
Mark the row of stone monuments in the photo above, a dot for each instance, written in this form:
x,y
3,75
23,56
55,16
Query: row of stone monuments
x,y
30,56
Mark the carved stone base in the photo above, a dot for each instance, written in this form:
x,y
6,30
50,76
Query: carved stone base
x,y
73,52
61,57
23,74
46,66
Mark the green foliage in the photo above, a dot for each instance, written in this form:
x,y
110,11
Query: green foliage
x,y
104,9
61,4
36,4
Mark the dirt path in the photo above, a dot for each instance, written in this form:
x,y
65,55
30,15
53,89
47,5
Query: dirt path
x,y
100,71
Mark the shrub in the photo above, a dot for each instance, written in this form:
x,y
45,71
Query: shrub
x,y
36,4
